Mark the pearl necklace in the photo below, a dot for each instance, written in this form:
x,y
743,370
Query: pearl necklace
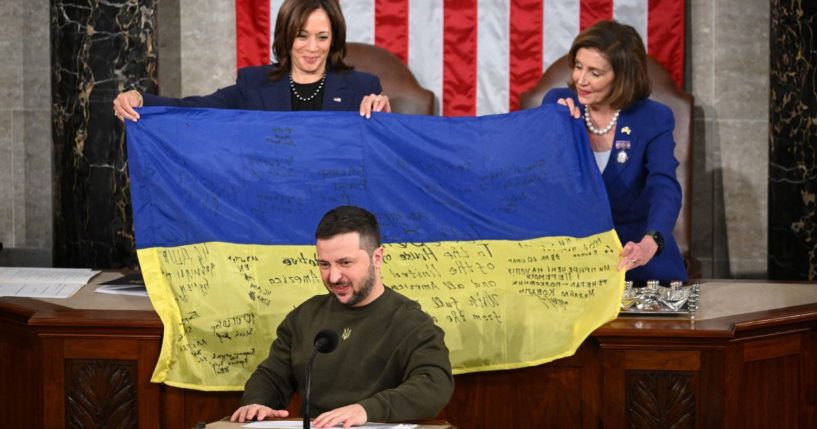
x,y
603,131
306,99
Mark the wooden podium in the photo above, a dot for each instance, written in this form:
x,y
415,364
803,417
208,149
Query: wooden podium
x,y
223,424
749,360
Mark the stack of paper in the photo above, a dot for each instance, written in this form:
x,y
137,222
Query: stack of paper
x,y
43,282
132,284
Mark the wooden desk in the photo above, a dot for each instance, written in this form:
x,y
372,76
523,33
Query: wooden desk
x,y
223,424
749,360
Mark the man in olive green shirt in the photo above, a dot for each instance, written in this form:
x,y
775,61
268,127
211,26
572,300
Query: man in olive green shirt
x,y
391,363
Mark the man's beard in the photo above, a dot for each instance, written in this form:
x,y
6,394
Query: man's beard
x,y
365,290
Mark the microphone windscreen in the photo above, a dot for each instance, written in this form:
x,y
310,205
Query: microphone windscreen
x,y
326,341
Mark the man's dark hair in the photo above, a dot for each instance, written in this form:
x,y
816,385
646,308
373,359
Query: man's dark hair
x,y
344,219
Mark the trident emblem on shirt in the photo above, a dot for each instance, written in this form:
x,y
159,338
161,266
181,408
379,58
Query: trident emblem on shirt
x,y
347,332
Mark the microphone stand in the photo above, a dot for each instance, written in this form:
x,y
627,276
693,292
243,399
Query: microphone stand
x,y
307,423
325,342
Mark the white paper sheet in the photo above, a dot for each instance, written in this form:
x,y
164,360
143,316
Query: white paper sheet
x,y
294,424
40,290
43,282
133,290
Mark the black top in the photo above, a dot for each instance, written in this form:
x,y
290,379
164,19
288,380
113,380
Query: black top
x,y
306,90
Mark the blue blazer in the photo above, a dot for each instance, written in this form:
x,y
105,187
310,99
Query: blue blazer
x,y
644,192
253,90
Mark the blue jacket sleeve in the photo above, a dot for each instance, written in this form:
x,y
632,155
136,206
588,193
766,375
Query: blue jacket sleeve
x,y
374,86
362,84
229,97
662,187
555,94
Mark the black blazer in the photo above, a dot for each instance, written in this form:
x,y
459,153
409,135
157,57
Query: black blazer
x,y
254,91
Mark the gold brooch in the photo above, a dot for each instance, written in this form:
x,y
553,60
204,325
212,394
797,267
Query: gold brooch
x,y
626,130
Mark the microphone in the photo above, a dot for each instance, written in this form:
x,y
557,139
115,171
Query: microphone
x,y
325,342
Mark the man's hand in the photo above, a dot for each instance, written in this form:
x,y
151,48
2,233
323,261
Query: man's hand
x,y
256,412
348,416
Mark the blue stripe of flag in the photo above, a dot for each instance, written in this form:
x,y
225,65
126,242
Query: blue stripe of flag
x,y
252,177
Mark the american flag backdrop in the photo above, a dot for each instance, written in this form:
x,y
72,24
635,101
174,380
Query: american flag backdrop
x,y
478,56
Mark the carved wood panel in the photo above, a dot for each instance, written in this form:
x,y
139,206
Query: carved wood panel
x,y
656,400
100,394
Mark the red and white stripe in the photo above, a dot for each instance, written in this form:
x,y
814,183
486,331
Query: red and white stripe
x,y
478,56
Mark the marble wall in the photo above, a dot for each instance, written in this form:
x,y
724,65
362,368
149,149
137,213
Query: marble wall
x,y
728,63
793,141
207,45
197,45
99,48
25,129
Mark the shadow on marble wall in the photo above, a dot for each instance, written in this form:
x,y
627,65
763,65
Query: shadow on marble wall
x,y
168,38
724,201
25,134
25,257
709,238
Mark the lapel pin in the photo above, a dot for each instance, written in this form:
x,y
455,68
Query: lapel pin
x,y
626,130
337,100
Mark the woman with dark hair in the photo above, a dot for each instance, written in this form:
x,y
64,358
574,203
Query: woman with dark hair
x,y
631,138
308,73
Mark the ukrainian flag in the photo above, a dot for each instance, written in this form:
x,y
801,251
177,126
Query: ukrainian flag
x,y
498,225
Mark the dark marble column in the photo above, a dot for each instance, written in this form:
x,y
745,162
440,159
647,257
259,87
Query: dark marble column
x,y
793,141
98,49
